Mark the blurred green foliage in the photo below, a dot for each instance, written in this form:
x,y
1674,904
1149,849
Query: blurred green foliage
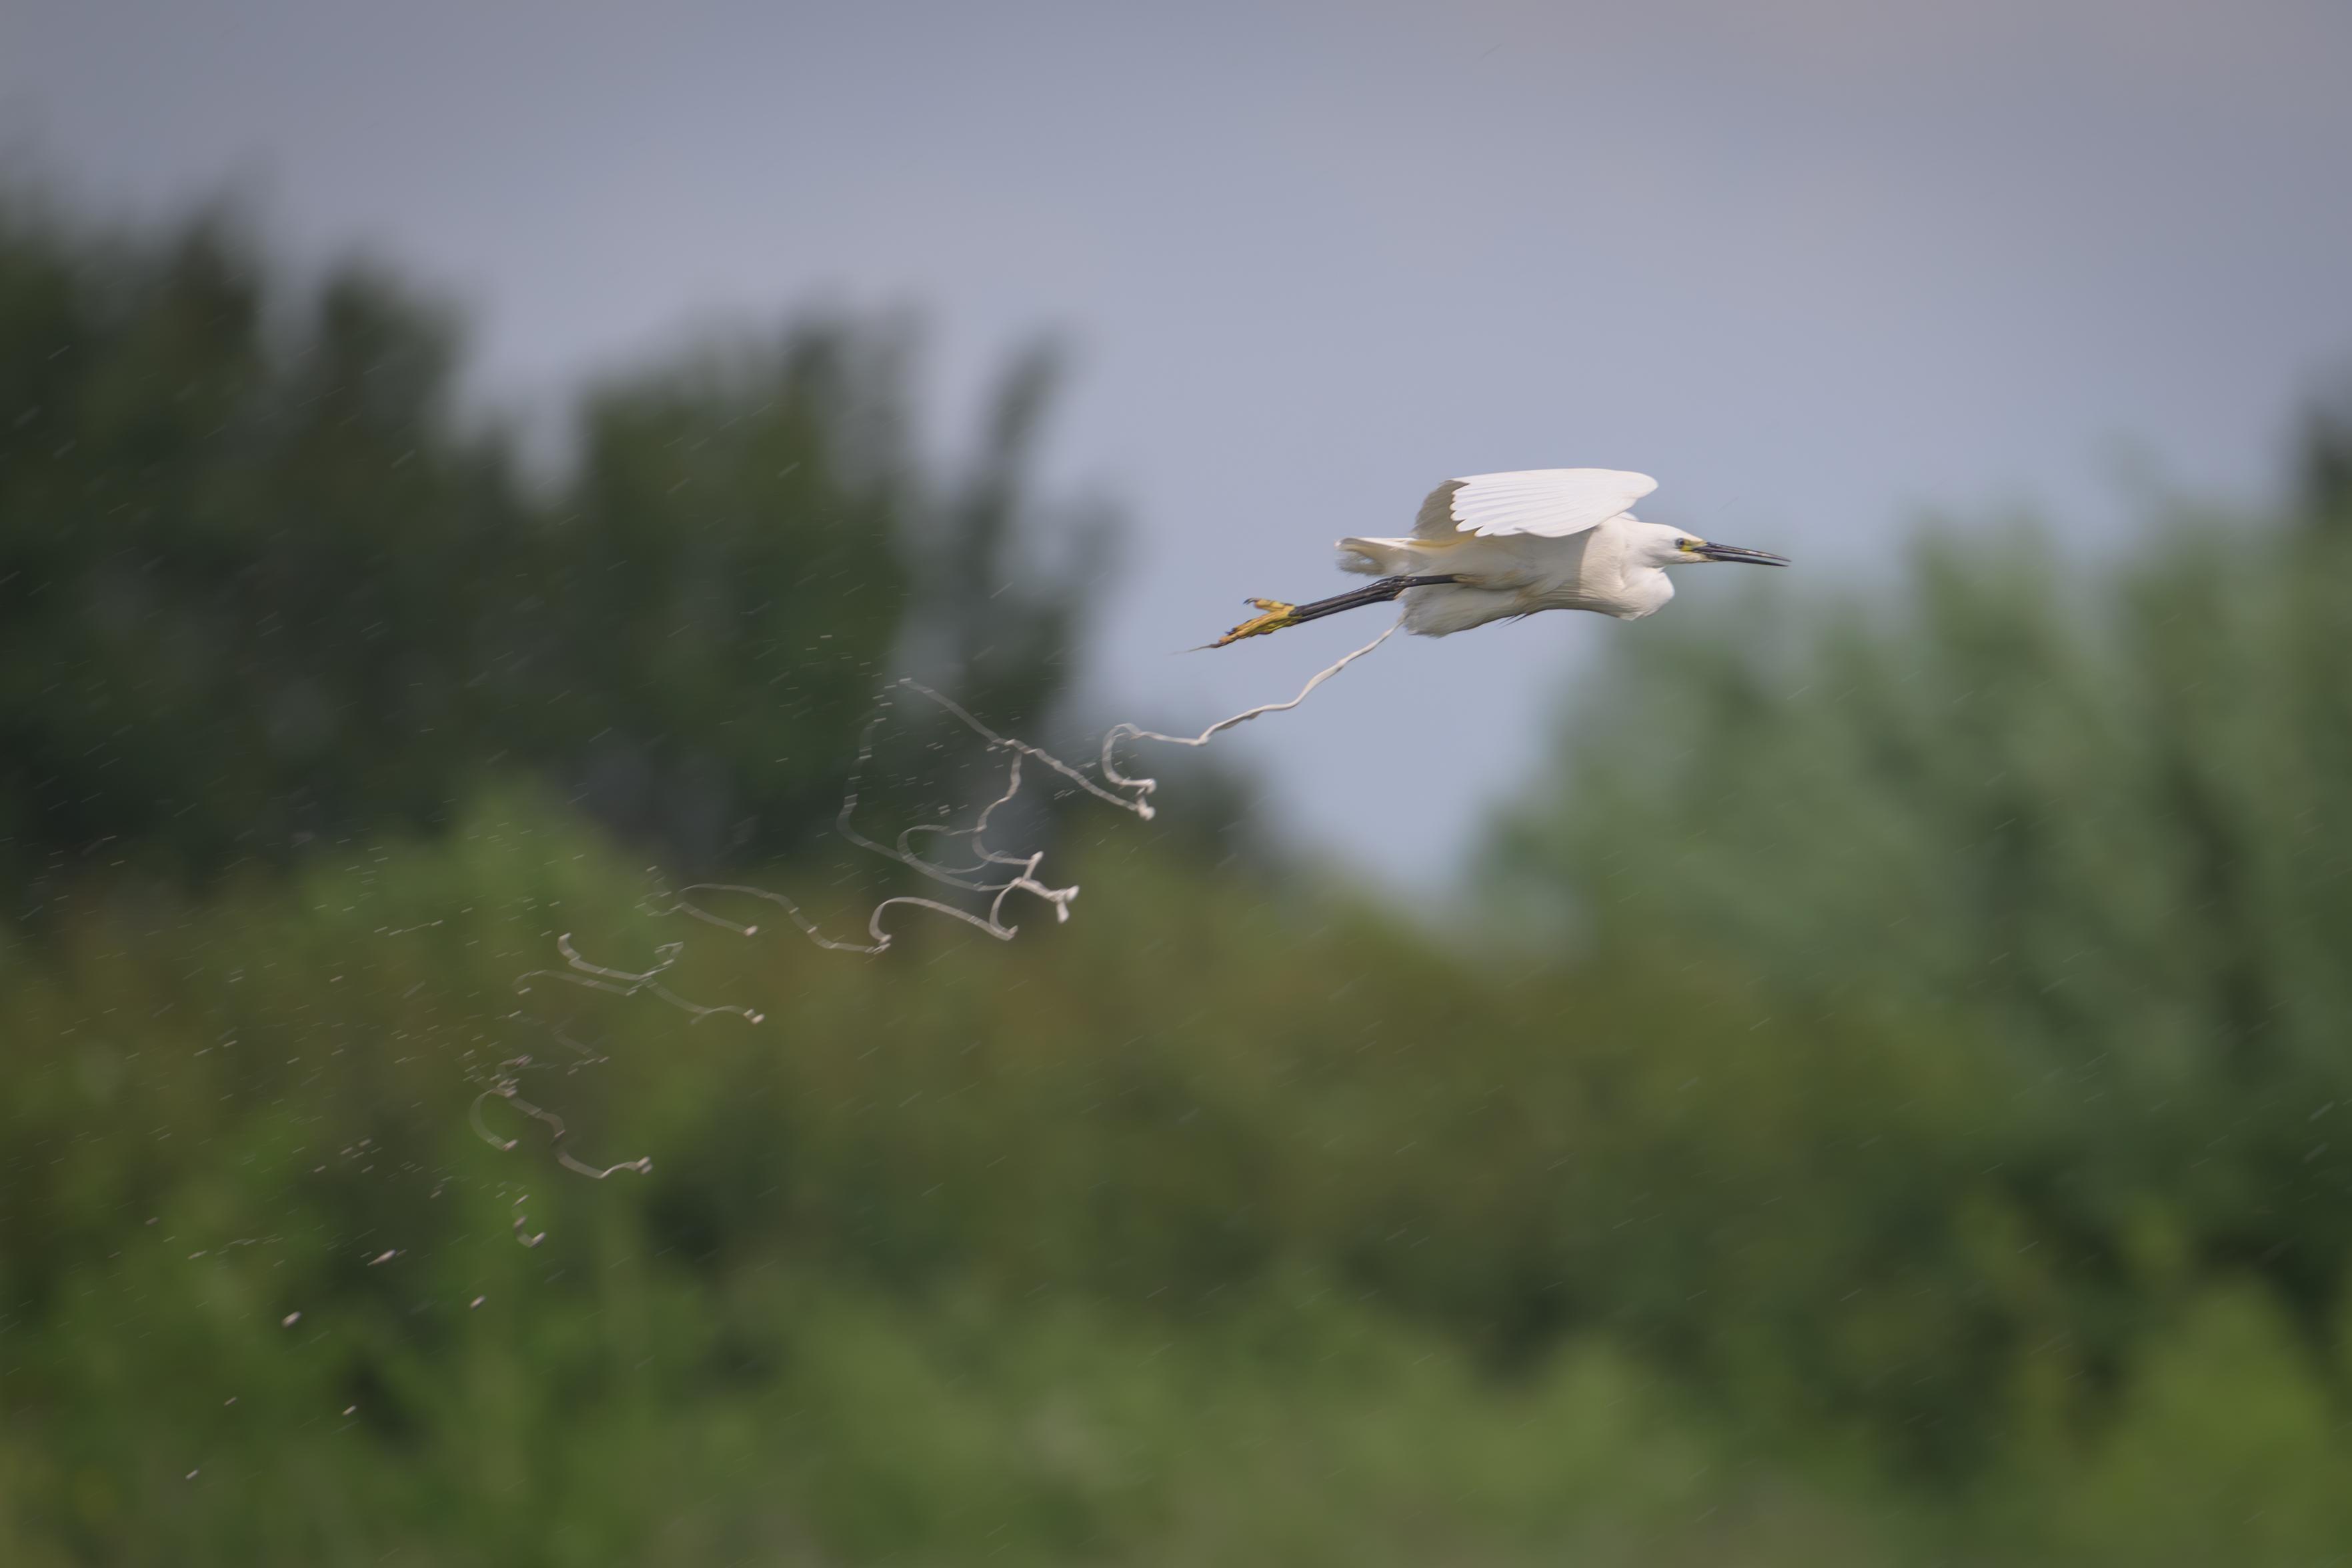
x,y
1894,1125
261,583
2092,836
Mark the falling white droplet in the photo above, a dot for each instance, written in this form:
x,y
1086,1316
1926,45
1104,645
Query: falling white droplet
x,y
290,1320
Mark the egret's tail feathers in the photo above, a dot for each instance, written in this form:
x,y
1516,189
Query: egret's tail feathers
x,y
1374,557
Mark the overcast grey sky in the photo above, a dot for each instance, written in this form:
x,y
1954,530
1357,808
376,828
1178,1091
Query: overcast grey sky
x,y
1818,266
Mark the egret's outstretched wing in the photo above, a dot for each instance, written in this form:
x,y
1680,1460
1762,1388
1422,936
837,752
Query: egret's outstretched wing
x,y
1549,501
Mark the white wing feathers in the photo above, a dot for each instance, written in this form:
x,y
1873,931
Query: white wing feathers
x,y
1552,502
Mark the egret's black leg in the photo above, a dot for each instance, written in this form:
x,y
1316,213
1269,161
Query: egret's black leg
x,y
1279,614
1379,593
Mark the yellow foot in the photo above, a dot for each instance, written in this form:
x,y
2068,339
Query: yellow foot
x,y
1277,615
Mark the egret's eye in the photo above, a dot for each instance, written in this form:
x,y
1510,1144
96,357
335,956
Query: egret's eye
x,y
1687,545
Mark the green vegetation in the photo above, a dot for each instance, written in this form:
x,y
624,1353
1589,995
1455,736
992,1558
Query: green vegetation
x,y
1911,1140
260,586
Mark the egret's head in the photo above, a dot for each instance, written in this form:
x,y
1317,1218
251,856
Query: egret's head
x,y
1680,547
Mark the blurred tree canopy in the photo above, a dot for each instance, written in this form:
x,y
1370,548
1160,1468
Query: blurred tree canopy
x,y
2089,834
262,582
2323,491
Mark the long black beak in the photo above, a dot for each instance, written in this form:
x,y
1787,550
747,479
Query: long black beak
x,y
1737,552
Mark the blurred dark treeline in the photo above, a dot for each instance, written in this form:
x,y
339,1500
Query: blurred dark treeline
x,y
1881,1102
264,583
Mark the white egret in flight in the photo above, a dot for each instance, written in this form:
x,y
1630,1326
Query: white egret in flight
x,y
1495,545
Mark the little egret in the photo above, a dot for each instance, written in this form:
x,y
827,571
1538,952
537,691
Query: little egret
x,y
1494,545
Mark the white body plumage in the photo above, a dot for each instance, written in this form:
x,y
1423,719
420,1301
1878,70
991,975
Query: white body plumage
x,y
1542,539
